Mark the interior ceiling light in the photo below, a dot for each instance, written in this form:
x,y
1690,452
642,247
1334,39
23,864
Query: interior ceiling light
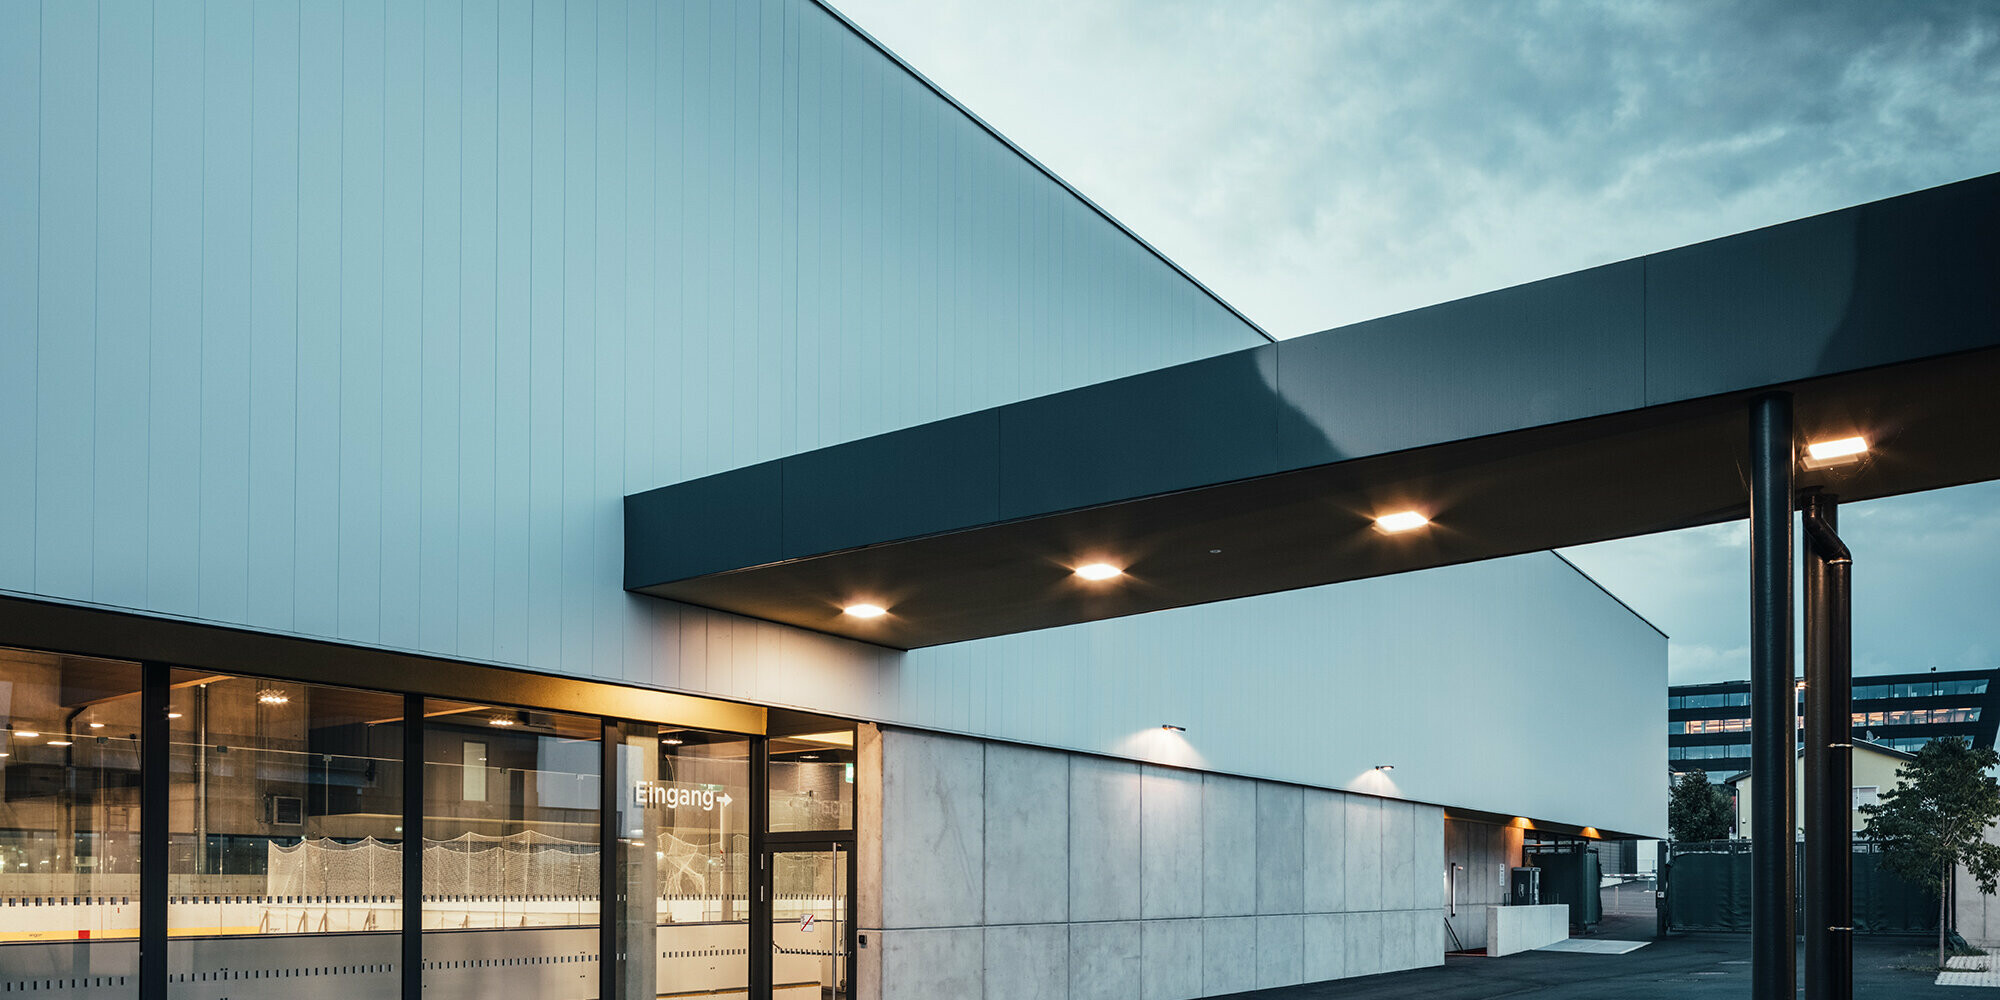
x,y
27,734
1838,451
59,743
1098,571
273,696
499,720
864,611
173,715
97,725
1400,521
673,741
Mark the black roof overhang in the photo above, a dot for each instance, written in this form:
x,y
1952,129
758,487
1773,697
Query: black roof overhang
x,y
1595,405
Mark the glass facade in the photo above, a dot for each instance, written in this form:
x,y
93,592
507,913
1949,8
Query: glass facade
x,y
284,832
282,809
69,823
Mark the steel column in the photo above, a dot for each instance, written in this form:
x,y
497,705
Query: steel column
x,y
760,870
155,764
1773,699
1828,876
611,874
413,847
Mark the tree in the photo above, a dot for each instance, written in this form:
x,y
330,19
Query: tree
x,y
1697,810
1935,820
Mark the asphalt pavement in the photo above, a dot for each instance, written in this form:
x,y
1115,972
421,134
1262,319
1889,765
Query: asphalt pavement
x,y
1681,966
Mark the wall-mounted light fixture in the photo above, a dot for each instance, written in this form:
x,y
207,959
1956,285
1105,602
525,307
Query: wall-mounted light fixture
x,y
1385,767
1170,727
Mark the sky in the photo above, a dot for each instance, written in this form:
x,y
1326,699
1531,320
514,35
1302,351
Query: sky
x,y
1321,162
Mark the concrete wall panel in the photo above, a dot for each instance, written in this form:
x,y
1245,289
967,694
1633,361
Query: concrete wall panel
x,y
1172,956
1228,846
1280,848
1228,955
1104,881
1363,856
1399,832
933,830
1105,961
1324,940
1171,839
1027,834
931,963
1028,961
1325,883
1280,951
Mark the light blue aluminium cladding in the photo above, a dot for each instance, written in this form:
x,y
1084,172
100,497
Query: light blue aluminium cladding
x,y
358,321
1515,686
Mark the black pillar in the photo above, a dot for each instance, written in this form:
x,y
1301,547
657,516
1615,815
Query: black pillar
x,y
610,869
760,869
413,846
1773,701
155,760
1828,876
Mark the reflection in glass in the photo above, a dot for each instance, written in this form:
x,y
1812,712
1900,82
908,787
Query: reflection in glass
x,y
683,821
812,780
69,822
284,834
809,912
511,829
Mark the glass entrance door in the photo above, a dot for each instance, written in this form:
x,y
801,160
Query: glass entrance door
x,y
812,932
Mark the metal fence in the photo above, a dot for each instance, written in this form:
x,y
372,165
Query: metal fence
x,y
1708,889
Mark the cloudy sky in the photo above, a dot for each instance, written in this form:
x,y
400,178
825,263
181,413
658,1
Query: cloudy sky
x,y
1318,163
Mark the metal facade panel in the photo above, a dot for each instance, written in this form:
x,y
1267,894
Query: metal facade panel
x,y
1554,350
359,322
1879,283
1318,686
1203,422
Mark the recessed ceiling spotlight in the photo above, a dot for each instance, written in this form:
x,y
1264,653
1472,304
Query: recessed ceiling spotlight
x,y
864,611
1400,521
1838,451
1098,571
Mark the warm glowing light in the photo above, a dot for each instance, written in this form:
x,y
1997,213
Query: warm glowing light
x,y
59,743
1591,832
1098,571
1402,520
673,741
27,734
809,756
1170,727
499,720
1839,451
173,715
97,725
273,696
864,611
